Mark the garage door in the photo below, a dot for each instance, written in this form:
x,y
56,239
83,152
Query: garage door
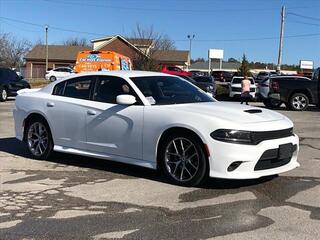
x,y
38,70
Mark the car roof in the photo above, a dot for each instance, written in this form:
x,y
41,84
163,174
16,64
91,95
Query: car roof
x,y
120,73
62,67
242,77
289,76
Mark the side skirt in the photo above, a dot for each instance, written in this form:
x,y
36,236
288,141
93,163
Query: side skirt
x,y
116,158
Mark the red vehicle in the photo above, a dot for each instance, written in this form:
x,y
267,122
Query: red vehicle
x,y
175,71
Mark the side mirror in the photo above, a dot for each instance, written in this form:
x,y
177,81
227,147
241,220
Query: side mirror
x,y
126,99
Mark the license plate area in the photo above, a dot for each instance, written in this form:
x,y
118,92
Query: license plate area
x,y
285,151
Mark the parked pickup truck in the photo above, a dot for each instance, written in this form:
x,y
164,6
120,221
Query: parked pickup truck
x,y
296,92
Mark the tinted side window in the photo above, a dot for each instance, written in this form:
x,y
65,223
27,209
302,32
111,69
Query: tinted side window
x,y
65,70
12,76
108,88
79,87
5,75
59,89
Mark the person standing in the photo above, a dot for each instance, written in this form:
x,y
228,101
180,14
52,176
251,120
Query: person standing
x,y
245,90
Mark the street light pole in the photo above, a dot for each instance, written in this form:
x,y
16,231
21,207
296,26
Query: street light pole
x,y
46,29
190,39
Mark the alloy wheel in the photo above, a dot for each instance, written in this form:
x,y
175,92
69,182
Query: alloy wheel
x,y
4,94
182,159
299,102
38,139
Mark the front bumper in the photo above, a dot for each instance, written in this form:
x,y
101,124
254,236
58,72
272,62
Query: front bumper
x,y
223,154
18,124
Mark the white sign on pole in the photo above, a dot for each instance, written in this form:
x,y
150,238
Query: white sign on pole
x,y
306,64
216,53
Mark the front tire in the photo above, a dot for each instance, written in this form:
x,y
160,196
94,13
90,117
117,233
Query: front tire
x,y
3,94
183,160
39,139
299,102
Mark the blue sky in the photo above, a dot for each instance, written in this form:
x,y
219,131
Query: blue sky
x,y
237,26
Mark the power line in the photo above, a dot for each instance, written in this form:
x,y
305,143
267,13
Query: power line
x,y
20,28
252,39
181,40
51,27
167,9
305,23
303,16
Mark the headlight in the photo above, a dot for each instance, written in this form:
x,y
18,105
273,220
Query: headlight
x,y
209,89
232,136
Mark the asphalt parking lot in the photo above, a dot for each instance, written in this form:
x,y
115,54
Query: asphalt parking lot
x,y
72,197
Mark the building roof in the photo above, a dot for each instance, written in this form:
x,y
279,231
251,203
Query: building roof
x,y
108,40
171,55
55,52
134,41
214,65
140,41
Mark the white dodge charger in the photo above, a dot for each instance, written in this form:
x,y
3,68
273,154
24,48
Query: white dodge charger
x,y
157,121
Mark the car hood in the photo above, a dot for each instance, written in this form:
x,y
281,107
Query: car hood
x,y
239,85
234,112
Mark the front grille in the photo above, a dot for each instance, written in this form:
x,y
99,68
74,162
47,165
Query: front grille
x,y
258,137
236,89
272,159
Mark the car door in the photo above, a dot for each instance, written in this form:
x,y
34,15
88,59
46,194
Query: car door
x,y
58,73
113,128
65,72
66,111
14,81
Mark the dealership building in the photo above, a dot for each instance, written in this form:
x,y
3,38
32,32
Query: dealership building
x,y
62,55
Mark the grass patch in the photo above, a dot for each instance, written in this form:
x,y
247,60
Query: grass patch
x,y
38,83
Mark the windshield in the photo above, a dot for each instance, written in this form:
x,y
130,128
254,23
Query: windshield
x,y
165,90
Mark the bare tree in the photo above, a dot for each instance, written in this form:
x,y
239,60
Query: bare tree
x,y
155,42
12,51
76,42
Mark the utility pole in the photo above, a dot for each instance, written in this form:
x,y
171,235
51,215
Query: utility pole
x,y
281,38
190,39
46,29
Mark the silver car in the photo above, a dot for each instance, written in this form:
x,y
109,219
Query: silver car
x,y
263,93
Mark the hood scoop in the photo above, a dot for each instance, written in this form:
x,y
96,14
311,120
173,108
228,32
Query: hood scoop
x,y
253,111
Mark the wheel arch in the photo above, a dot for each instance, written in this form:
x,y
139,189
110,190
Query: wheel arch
x,y
301,90
28,119
184,129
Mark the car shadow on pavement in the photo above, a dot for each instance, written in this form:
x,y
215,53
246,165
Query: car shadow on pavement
x,y
15,147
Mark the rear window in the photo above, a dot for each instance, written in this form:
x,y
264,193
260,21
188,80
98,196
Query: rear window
x,y
75,88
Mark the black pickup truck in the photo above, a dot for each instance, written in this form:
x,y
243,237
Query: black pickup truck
x,y
296,92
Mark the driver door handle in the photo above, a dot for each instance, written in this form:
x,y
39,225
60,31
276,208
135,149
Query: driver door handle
x,y
91,112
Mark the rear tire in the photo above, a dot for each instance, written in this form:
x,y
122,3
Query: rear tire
x,y
299,102
39,139
272,103
183,160
3,94
52,78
